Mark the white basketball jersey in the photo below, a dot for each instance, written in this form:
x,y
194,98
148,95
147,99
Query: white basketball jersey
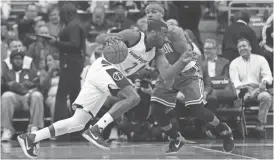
x,y
137,58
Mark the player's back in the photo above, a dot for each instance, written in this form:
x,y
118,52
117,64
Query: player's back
x,y
137,57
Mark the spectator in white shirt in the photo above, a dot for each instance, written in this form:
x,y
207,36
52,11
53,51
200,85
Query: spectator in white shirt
x,y
252,71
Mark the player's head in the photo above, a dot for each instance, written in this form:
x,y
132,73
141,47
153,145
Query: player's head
x,y
156,33
154,11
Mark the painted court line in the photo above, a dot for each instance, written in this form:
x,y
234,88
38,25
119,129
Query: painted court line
x,y
213,150
240,145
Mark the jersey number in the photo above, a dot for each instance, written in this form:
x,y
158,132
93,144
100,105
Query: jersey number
x,y
134,64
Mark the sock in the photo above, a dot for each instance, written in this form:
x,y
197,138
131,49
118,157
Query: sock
x,y
215,122
104,121
171,132
41,134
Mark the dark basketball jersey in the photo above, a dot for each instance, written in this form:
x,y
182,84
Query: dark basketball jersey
x,y
172,56
192,71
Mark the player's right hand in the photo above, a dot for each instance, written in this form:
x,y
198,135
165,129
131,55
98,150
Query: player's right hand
x,y
187,56
112,39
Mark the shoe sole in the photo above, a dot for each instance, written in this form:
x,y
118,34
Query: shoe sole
x,y
171,153
231,149
94,142
22,144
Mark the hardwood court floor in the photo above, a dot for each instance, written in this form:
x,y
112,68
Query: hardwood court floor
x,y
202,149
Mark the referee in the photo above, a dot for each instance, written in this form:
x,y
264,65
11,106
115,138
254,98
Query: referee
x,y
71,44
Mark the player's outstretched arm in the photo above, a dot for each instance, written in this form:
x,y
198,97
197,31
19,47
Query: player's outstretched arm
x,y
127,35
177,36
168,71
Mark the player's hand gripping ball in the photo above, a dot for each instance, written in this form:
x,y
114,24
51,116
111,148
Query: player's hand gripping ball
x,y
115,53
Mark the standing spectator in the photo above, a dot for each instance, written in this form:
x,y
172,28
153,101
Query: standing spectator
x,y
54,24
251,71
267,41
237,30
26,25
120,17
49,79
22,93
40,48
71,46
189,17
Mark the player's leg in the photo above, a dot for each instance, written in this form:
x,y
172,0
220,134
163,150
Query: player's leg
x,y
162,102
87,104
194,100
129,99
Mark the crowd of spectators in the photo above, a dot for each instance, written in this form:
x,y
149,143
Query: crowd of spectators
x,y
30,64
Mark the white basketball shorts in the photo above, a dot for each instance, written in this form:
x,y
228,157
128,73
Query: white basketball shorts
x,y
100,80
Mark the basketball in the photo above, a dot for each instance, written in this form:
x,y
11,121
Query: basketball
x,y
115,53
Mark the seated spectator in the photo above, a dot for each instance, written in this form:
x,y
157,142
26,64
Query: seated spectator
x,y
252,72
237,30
216,67
49,79
40,48
22,94
54,24
28,61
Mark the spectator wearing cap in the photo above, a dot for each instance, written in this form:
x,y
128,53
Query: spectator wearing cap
x,y
237,30
27,61
252,72
22,93
120,17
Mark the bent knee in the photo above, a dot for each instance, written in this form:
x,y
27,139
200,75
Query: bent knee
x,y
135,100
37,95
8,95
264,96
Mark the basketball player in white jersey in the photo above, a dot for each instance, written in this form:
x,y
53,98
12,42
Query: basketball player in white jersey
x,y
104,79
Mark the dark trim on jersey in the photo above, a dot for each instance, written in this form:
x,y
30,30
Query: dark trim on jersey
x,y
140,36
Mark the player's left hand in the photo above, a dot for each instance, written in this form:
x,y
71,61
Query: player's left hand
x,y
112,39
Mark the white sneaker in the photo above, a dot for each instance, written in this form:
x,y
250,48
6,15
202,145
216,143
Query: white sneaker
x,y
6,136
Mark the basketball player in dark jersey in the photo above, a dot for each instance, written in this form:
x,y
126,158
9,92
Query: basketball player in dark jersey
x,y
188,83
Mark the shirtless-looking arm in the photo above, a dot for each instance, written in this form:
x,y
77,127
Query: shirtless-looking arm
x,y
130,36
168,71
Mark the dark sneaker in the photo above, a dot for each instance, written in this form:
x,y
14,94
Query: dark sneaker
x,y
228,140
29,148
94,135
175,145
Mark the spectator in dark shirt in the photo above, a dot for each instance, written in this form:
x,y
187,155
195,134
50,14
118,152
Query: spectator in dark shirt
x,y
120,18
71,46
98,24
236,31
26,25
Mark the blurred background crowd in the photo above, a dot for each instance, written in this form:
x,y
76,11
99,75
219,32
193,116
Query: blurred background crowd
x,y
30,65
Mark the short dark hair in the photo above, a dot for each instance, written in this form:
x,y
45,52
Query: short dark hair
x,y
243,39
156,25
